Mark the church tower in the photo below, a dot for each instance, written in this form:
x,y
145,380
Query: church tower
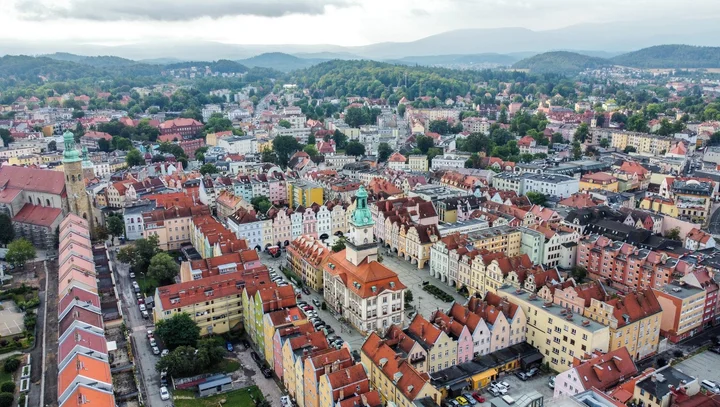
x,y
360,244
78,199
88,167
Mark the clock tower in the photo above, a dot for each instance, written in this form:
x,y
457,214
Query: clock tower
x,y
78,199
360,244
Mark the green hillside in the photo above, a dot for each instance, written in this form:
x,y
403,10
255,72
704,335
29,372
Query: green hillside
x,y
280,61
562,62
671,56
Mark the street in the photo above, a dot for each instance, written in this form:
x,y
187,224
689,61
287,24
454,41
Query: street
x,y
408,274
144,358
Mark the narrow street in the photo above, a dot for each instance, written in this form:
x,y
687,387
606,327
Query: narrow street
x,y
144,358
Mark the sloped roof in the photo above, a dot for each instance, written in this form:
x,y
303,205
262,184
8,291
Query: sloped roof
x,y
32,179
605,371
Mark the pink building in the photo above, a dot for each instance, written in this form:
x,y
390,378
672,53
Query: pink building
x,y
310,223
282,335
281,226
277,188
459,333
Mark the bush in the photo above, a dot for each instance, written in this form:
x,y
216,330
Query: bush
x,y
6,399
3,343
8,387
11,365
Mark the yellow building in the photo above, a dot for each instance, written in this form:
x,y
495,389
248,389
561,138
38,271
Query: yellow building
x,y
295,350
305,193
418,163
48,130
634,322
651,389
172,226
306,256
599,180
560,336
498,239
23,160
279,319
657,203
394,378
642,142
214,303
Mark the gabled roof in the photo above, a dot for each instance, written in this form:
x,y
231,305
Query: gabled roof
x,y
605,371
363,278
85,366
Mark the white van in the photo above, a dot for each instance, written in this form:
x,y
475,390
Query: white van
x,y
711,386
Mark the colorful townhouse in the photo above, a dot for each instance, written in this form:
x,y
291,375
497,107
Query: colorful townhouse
x,y
318,366
296,350
275,320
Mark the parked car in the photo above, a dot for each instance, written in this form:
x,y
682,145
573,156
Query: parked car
x,y
462,400
522,375
715,349
452,403
478,397
255,357
164,353
356,356
163,381
329,329
164,393
143,307
267,372
132,275
145,314
153,342
316,302
150,333
229,346
285,401
301,303
308,307
306,291
531,372
551,383
156,350
469,398
710,386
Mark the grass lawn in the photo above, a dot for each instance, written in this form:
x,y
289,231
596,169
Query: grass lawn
x,y
226,366
147,285
234,398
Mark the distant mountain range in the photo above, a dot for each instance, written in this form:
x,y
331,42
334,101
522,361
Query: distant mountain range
x,y
597,39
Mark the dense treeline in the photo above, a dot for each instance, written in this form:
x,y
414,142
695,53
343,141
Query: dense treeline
x,y
671,56
377,80
562,62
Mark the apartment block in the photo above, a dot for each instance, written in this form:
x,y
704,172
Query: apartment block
x,y
305,193
683,310
306,256
560,336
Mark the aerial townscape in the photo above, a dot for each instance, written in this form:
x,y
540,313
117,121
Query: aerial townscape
x,y
425,213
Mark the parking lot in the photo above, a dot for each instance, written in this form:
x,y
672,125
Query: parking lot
x,y
11,319
519,387
703,366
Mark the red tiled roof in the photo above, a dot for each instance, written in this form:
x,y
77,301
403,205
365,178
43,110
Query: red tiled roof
x,y
37,215
31,179
192,292
368,275
605,371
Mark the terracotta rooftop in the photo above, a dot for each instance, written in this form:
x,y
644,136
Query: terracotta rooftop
x,y
37,215
192,292
31,179
605,371
367,275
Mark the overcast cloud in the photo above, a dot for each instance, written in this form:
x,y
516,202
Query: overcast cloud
x,y
339,22
170,10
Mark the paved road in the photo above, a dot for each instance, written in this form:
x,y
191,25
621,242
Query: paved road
x,y
51,335
703,366
687,345
145,360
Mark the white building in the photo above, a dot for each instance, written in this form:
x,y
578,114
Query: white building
x,y
449,161
363,291
247,226
549,184
242,145
210,110
133,217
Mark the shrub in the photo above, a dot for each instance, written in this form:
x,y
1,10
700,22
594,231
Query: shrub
x,y
11,365
6,399
8,387
3,342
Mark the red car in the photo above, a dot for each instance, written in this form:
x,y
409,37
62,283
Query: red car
x,y
478,397
307,307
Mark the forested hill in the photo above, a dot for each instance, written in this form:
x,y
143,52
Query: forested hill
x,y
280,61
21,68
562,62
376,79
671,56
98,61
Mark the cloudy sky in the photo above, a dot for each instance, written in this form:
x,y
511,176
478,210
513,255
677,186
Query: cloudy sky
x,y
340,22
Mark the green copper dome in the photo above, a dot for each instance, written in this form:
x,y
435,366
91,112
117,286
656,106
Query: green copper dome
x,y
361,216
70,154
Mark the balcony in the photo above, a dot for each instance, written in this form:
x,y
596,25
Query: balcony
x,y
417,359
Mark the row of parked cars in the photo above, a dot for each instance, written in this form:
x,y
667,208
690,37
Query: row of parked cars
x,y
466,399
261,364
164,393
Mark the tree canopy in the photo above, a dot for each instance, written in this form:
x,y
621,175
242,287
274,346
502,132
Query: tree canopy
x,y
20,251
178,330
163,267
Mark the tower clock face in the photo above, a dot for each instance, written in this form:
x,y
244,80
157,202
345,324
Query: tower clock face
x,y
365,219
